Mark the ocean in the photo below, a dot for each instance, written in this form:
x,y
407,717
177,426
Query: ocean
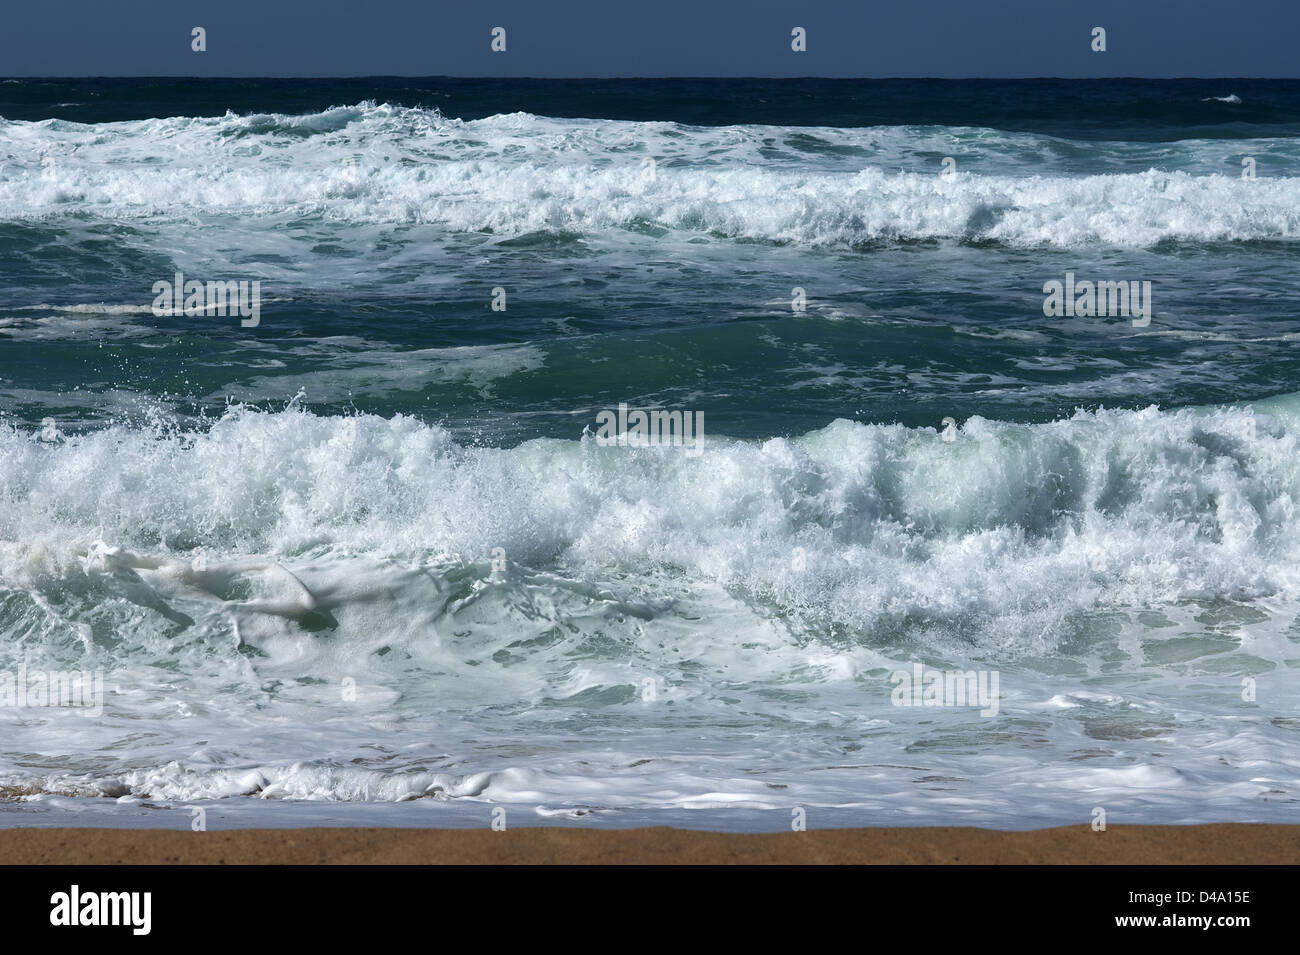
x,y
360,549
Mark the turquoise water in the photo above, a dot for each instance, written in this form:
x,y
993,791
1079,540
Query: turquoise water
x,y
369,549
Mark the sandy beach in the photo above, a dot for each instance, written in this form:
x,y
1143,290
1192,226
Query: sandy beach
x,y
1219,844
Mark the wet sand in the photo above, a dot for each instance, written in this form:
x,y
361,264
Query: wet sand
x,y
1218,844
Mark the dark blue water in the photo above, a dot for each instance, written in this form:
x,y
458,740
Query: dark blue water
x,y
925,294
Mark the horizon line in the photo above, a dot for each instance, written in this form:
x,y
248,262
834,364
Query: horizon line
x,y
456,76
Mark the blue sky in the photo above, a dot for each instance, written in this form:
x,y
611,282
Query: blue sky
x,y
579,38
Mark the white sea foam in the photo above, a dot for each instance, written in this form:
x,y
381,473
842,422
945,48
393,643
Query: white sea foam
x,y
867,501
415,619
292,607
518,174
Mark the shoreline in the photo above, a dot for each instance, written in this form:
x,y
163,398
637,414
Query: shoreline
x,y
1206,844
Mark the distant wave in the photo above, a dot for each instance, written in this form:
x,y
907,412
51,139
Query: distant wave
x,y
520,174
